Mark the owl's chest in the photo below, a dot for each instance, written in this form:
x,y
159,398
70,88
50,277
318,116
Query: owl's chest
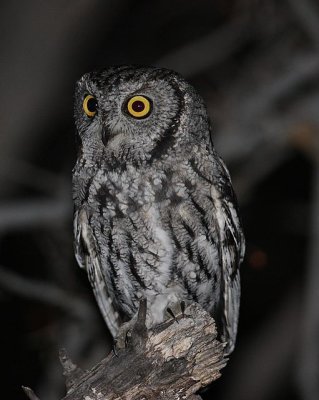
x,y
124,194
130,228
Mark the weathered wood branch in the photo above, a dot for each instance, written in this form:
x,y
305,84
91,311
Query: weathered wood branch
x,y
171,361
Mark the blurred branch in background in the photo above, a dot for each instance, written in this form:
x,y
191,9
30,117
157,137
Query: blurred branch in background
x,y
307,11
32,213
208,51
44,293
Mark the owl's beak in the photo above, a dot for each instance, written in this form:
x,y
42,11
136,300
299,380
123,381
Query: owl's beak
x,y
106,135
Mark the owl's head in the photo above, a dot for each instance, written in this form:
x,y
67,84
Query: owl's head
x,y
137,114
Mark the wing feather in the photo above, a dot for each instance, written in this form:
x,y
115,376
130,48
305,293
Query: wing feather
x,y
232,249
87,257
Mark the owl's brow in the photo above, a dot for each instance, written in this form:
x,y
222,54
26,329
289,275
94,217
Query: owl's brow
x,y
150,84
142,88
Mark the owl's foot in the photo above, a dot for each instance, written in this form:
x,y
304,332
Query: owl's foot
x,y
173,313
134,332
170,312
122,338
177,310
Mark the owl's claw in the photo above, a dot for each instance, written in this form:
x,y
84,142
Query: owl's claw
x,y
183,306
114,350
177,310
169,310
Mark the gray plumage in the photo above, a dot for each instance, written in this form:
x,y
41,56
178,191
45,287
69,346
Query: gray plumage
x,y
155,212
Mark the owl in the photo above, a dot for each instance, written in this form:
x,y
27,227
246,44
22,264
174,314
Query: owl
x,y
155,215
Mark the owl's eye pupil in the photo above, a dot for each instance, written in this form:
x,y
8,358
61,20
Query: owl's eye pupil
x,y
92,105
138,106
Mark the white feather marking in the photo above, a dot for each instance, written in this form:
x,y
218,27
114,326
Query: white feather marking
x,y
165,248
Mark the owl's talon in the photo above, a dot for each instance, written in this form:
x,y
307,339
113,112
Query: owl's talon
x,y
114,349
183,306
169,310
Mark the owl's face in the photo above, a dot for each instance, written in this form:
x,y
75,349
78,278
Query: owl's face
x,y
135,114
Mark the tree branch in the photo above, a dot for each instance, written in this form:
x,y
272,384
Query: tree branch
x,y
207,51
43,292
171,361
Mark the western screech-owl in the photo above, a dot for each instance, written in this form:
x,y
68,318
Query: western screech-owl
x,y
155,212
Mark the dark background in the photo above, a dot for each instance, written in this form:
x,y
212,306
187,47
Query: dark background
x,y
256,63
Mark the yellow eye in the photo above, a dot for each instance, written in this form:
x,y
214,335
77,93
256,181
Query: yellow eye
x,y
139,106
89,106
